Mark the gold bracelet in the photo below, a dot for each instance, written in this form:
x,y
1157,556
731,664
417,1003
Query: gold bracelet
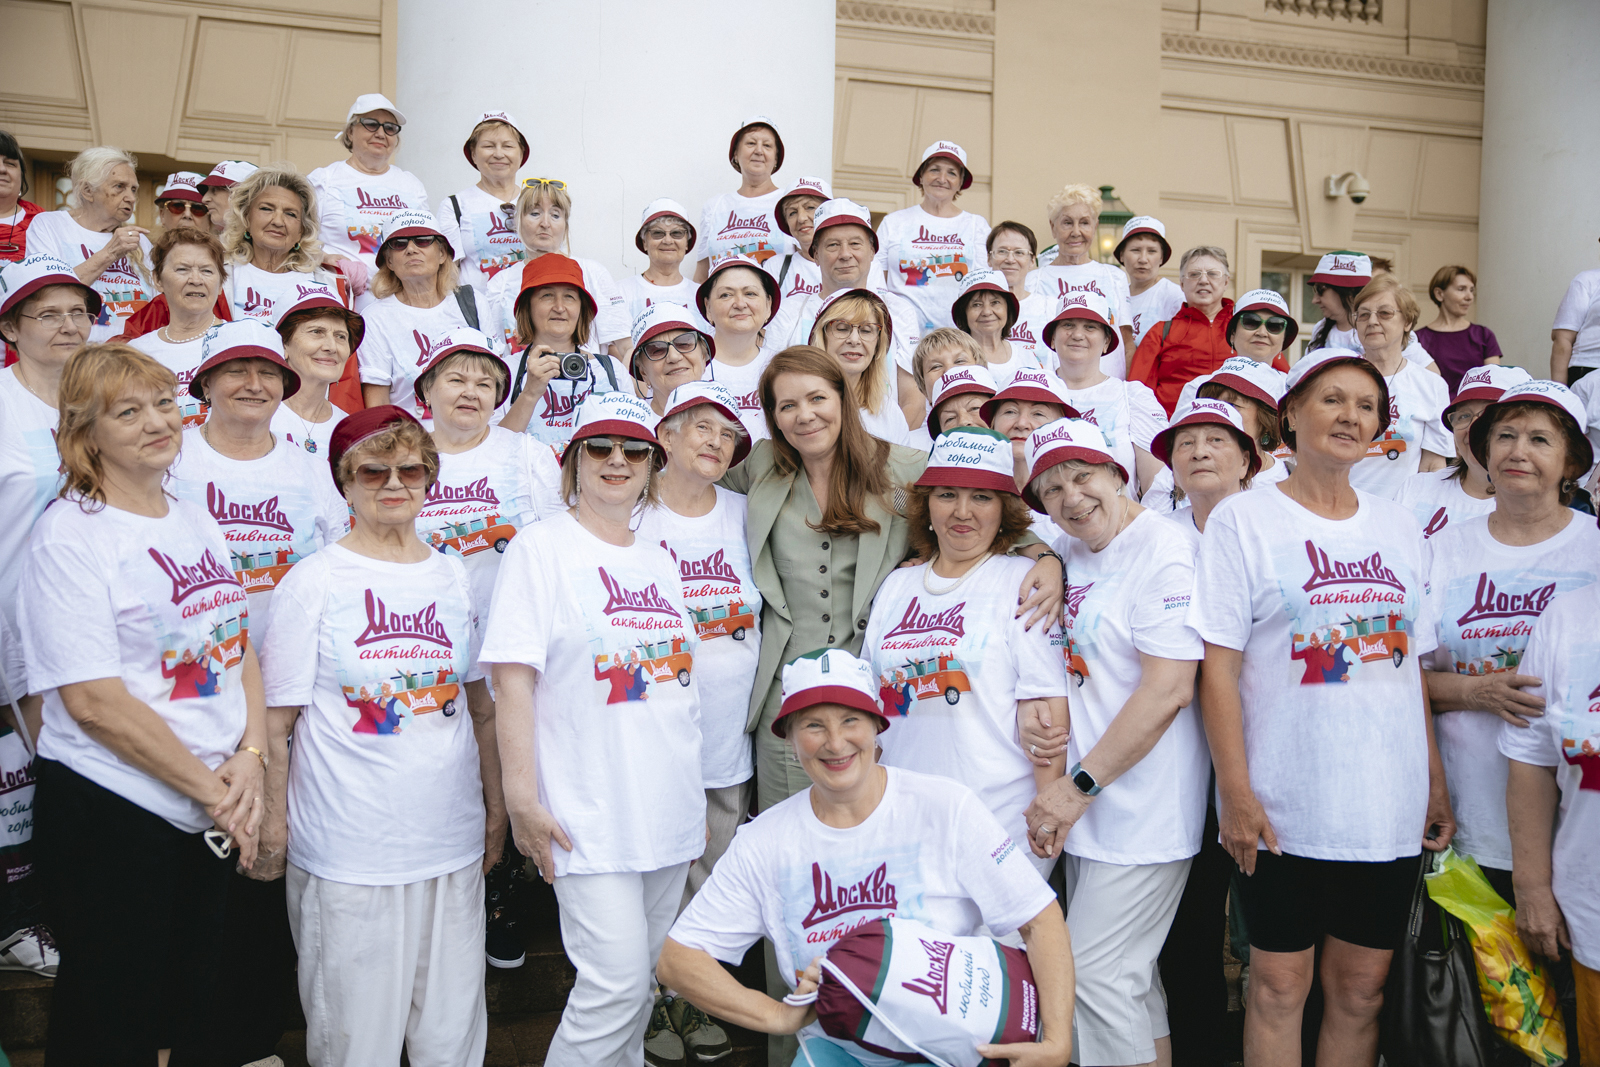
x,y
258,754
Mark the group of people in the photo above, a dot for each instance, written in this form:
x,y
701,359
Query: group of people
x,y
849,571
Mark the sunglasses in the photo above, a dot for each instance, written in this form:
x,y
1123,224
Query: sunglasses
x,y
534,183
376,476
373,126
402,243
1275,324
178,208
601,449
656,351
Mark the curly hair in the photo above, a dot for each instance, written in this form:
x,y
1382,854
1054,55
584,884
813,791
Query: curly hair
x,y
401,437
95,375
306,255
1016,518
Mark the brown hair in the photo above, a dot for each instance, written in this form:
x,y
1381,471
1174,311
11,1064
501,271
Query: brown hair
x,y
939,339
496,369
1015,227
860,471
524,317
1444,278
1015,520
95,375
484,127
402,436
1266,418
171,239
651,497
1571,435
857,310
387,283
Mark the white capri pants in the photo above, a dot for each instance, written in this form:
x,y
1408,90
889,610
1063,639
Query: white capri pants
x,y
612,927
1118,917
386,965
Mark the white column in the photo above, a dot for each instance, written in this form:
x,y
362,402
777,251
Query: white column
x,y
1539,213
625,100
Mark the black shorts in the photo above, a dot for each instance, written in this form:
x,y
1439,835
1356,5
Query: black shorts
x,y
1291,902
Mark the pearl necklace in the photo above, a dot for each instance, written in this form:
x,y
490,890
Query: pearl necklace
x,y
953,586
165,333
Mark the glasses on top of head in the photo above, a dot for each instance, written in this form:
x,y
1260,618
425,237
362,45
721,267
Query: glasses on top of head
x,y
601,449
1204,275
842,330
422,241
656,351
376,475
178,208
1275,324
373,126
534,183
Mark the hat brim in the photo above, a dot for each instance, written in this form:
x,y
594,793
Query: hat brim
x,y
1478,436
291,379
966,172
967,478
502,388
1467,396
1161,444
1058,455
1290,332
842,695
613,428
1030,393
1244,387
1354,359
1048,334
844,221
741,447
958,310
1143,231
638,237
91,299
215,181
1346,281
733,144
184,193
702,295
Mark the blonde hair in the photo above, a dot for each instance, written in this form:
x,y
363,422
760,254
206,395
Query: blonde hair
x,y
938,340
1075,193
95,375
386,282
402,436
557,197
484,127
873,385
306,256
1403,300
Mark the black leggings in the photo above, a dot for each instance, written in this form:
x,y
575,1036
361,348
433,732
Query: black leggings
x,y
1191,960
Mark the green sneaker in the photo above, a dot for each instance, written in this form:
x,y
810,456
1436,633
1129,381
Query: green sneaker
x,y
706,1041
662,1047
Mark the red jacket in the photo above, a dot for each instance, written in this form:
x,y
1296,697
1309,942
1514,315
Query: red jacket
x,y
1175,353
17,233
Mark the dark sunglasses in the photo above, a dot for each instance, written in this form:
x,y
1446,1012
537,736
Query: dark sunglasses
x,y
1275,324
601,449
376,476
402,243
176,208
656,351
373,126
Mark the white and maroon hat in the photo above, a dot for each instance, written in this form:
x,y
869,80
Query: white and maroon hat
x,y
984,280
461,339
614,414
1144,224
1245,376
876,298
657,319
841,212
828,676
36,271
1269,301
971,457
1034,384
662,208
1213,411
1540,391
1349,269
227,174
944,150
181,185
702,295
488,116
693,394
1084,304
1487,382
368,102
413,222
967,378
1064,439
241,339
756,120
319,297
805,186
1314,363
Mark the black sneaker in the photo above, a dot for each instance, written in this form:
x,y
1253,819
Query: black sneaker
x,y
502,942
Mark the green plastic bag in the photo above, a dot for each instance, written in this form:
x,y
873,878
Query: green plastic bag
x,y
1515,988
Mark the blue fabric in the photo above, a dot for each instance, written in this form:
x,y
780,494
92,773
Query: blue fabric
x,y
824,1054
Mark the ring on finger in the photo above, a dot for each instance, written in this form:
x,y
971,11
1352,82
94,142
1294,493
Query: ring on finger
x,y
1033,750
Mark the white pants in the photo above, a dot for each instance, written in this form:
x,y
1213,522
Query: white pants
x,y
1118,918
612,927
382,965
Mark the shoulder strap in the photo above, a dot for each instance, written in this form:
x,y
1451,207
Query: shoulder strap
x,y
468,302
457,205
784,273
604,359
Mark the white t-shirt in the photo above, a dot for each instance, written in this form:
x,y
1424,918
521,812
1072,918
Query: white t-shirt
x,y
30,474
1579,311
1107,279
951,669
924,258
383,786
1436,499
803,278
1129,415
182,359
1482,600
111,594
398,342
356,206
485,240
736,225
619,716
1417,399
498,314
889,422
719,588
1341,772
1159,496
1564,651
1033,313
1587,389
1156,304
1131,597
930,851
745,385
638,293
313,437
122,287
273,511
254,293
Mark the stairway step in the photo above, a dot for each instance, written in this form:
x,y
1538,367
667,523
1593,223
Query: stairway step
x,y
24,1009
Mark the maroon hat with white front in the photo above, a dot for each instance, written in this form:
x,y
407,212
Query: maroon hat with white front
x,y
663,208
503,117
1487,382
1085,304
1035,385
36,271
756,120
1148,224
413,223
804,186
228,173
971,457
1201,410
702,295
944,150
693,394
1539,391
1064,439
657,319
241,339
182,185
461,339
841,212
319,297
828,676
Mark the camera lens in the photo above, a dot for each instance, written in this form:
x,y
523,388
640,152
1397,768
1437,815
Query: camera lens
x,y
574,366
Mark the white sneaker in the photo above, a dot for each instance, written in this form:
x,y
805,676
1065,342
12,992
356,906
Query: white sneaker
x,y
30,949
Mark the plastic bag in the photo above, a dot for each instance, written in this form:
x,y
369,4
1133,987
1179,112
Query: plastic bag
x,y
1516,989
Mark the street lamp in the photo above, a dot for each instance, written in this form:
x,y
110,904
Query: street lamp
x,y
1114,214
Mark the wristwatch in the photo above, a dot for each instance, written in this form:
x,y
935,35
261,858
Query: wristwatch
x,y
1084,780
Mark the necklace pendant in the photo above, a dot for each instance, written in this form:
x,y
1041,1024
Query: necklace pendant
x,y
311,446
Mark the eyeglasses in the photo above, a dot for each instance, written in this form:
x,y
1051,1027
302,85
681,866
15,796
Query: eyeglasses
x,y
535,183
53,320
376,476
601,449
667,235
1382,314
1011,253
656,351
402,243
178,208
1275,324
1461,417
1205,275
842,330
373,126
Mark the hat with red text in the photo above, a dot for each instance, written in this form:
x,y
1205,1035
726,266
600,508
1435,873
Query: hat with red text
x,y
693,394
663,208
1539,391
553,268
1203,410
1487,382
181,185
1144,224
1059,441
958,381
614,414
1349,269
459,340
657,319
367,103
984,280
362,426
227,174
412,222
702,295
841,212
1312,364
944,150
755,120
39,270
504,118
804,186
241,339
1083,304
971,457
1270,302
319,297
828,676
1033,384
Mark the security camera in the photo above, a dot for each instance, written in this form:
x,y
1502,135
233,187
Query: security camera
x,y
1351,184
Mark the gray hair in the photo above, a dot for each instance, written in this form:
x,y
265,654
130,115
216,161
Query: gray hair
x,y
675,422
92,168
307,257
1204,250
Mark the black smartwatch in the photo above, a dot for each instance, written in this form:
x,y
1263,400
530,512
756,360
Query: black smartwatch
x,y
1084,780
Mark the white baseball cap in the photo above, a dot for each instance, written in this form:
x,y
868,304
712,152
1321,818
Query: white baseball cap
x,y
944,150
228,173
182,185
1144,224
367,102
1059,441
971,457
1346,268
1213,411
828,676
661,208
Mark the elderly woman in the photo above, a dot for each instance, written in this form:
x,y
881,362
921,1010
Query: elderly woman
x,y
179,204
1338,280
385,895
850,826
1142,251
15,211
1195,340
796,212
956,691
1328,846
216,191
588,629
477,220
1014,252
319,334
1074,220
743,223
927,249
1031,399
273,249
1211,457
1461,489
95,234
1136,737
1456,343
739,299
988,311
854,328
938,352
359,196
154,741
667,352
188,268
958,399
665,236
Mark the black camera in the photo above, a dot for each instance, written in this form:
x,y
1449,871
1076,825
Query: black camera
x,y
574,365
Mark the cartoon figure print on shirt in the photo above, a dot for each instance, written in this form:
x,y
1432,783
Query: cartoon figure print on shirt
x,y
721,604
404,664
750,238
468,518
1489,615
122,291
637,638
1394,440
1352,618
261,534
920,661
215,629
1580,732
935,255
495,244
1077,666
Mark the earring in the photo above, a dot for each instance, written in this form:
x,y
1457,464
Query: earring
x,y
1568,486
248,239
296,247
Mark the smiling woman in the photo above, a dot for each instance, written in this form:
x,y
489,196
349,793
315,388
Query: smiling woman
x,y
272,244
743,223
477,220
188,267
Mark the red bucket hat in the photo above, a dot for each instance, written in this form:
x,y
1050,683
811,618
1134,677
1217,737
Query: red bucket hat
x,y
553,268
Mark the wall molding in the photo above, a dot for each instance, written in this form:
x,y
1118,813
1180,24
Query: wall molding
x,y
965,23
1278,55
